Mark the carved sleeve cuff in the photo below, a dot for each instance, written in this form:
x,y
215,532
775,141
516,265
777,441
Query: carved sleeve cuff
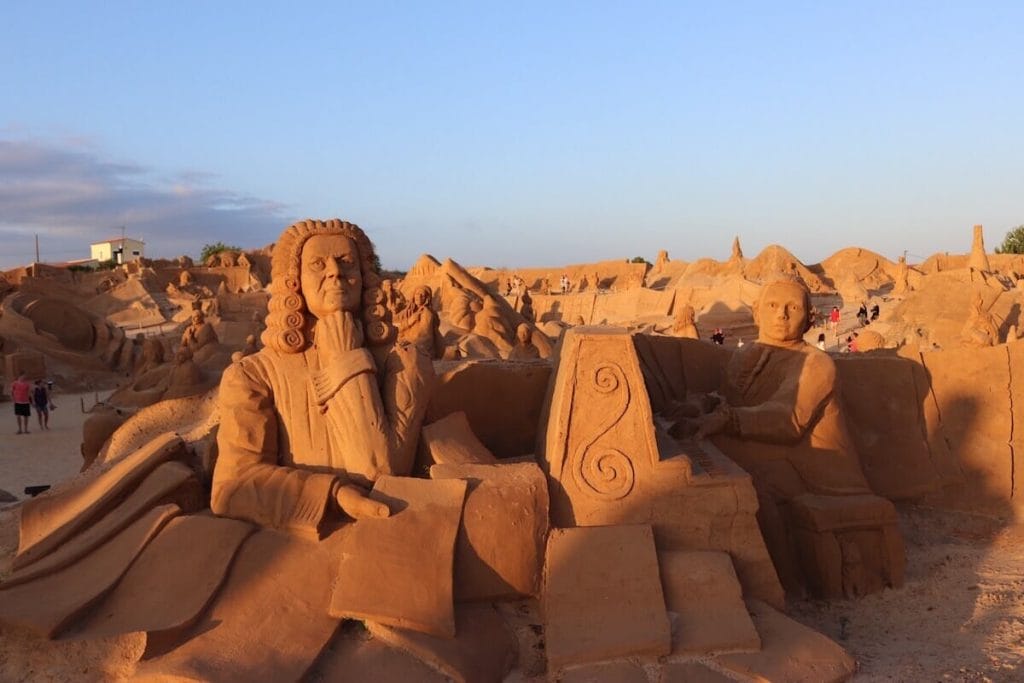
x,y
733,426
329,380
312,505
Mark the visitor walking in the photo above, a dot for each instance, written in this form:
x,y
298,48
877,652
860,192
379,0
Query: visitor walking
x,y
41,402
833,321
21,394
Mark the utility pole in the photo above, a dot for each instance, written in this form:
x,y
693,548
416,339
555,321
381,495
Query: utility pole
x,y
37,247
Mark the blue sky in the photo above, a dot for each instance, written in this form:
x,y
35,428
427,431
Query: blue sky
x,y
513,133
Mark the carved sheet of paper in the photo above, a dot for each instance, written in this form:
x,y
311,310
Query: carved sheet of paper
x,y
399,569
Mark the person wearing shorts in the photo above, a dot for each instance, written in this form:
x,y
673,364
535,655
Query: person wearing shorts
x,y
21,392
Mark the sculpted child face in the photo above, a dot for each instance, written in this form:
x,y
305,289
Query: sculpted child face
x,y
330,277
782,313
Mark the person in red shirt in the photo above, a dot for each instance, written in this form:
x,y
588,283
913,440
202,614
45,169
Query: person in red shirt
x,y
833,321
21,392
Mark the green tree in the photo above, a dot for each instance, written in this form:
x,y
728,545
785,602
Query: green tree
x,y
215,248
1013,243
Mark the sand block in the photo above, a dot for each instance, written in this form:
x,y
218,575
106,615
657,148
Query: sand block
x,y
602,595
158,487
451,441
500,546
790,652
483,650
173,579
608,672
692,672
355,658
399,570
48,605
48,521
702,590
269,621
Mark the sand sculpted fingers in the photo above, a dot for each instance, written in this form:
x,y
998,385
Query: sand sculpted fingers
x,y
354,503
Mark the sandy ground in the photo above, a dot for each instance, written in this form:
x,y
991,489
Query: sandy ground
x,y
959,617
42,456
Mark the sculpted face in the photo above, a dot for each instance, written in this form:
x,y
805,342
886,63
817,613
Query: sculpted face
x,y
330,277
782,313
524,334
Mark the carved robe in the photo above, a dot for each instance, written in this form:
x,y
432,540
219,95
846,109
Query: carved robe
x,y
787,430
279,453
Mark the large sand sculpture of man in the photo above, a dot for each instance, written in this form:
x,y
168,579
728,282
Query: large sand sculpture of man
x,y
780,418
312,419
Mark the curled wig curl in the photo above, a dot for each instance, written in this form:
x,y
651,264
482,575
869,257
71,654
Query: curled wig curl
x,y
288,320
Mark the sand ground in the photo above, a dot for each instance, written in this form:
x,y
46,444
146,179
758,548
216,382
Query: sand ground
x,y
42,456
959,617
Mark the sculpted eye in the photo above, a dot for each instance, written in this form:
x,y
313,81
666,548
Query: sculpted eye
x,y
317,264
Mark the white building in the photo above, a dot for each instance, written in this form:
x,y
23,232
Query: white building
x,y
121,250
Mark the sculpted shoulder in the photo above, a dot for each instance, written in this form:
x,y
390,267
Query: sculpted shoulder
x,y
818,362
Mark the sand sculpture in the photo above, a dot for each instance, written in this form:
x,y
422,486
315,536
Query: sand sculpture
x,y
980,330
660,262
331,407
978,259
524,348
419,325
902,280
684,325
920,425
459,306
198,334
781,421
526,307
484,324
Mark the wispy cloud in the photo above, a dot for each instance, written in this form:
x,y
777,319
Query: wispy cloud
x,y
70,194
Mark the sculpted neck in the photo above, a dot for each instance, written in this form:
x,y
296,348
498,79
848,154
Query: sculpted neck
x,y
792,345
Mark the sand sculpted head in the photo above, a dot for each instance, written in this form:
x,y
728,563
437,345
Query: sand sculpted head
x,y
317,268
422,296
782,312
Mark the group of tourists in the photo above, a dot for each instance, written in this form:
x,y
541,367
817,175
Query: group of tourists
x,y
26,396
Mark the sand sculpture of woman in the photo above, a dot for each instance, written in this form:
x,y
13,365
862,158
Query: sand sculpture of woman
x,y
311,415
418,324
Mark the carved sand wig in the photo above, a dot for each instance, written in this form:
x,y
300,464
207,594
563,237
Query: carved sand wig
x,y
289,321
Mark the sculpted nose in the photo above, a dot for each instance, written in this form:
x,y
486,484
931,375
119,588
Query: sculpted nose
x,y
332,269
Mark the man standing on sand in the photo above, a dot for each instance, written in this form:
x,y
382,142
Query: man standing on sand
x,y
21,392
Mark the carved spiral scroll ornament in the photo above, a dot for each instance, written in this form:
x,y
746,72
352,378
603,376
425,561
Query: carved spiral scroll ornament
x,y
602,471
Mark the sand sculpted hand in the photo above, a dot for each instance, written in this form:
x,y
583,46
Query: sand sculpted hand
x,y
354,503
337,335
714,422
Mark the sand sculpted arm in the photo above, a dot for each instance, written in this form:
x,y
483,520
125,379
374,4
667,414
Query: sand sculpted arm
x,y
249,482
375,425
793,409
